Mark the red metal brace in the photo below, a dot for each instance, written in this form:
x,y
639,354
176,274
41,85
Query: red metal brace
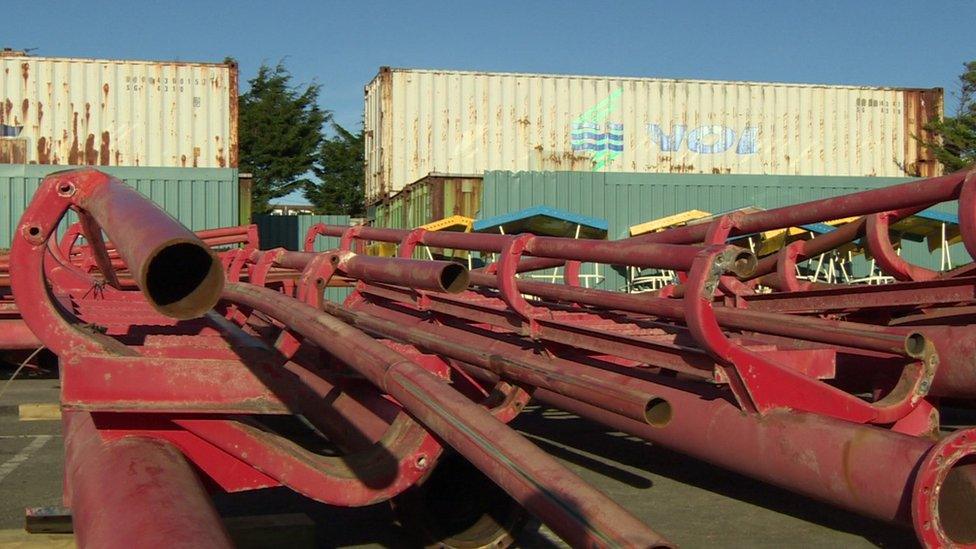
x,y
346,241
879,243
313,231
571,273
761,385
405,250
717,235
507,268
786,260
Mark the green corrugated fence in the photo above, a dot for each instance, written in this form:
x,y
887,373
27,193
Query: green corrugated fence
x,y
288,231
201,198
626,199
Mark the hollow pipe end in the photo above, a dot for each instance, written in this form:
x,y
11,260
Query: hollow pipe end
x,y
454,278
182,279
658,412
743,263
916,345
943,513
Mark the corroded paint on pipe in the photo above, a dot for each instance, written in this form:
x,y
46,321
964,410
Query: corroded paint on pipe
x,y
134,490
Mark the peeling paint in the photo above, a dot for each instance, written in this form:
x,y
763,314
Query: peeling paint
x,y
419,122
131,112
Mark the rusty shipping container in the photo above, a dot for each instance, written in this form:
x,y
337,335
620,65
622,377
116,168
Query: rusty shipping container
x,y
432,198
425,121
117,113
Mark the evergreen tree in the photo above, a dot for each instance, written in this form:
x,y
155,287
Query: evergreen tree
x,y
339,168
280,131
954,138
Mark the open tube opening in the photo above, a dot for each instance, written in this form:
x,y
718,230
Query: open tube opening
x,y
454,278
744,263
183,280
956,512
657,412
915,345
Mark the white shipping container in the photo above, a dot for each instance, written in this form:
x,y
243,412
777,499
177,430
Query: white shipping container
x,y
419,122
117,113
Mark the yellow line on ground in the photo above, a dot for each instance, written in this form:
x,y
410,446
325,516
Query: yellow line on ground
x,y
40,412
20,539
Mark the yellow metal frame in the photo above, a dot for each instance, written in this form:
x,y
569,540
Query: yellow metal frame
x,y
667,222
455,223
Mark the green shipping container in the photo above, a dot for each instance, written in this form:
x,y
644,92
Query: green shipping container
x,y
626,199
201,198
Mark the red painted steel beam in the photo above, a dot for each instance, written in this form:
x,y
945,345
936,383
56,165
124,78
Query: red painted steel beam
x,y
134,491
578,513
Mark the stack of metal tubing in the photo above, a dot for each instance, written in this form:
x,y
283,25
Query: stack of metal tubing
x,y
828,391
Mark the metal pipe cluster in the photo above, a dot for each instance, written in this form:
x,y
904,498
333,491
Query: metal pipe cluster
x,y
828,391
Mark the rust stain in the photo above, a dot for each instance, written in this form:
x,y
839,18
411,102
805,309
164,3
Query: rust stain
x,y
40,112
183,160
25,72
13,151
24,109
220,153
87,113
103,150
43,151
105,90
232,85
73,154
8,108
196,156
118,157
91,156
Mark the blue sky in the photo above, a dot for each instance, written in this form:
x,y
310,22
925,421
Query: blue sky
x,y
342,44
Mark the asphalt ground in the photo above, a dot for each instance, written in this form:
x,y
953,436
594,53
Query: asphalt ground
x,y
691,503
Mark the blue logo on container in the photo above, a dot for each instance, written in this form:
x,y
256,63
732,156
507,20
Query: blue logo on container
x,y
592,136
594,133
707,139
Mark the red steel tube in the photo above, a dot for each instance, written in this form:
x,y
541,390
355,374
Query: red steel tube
x,y
622,394
529,264
578,513
621,252
134,491
864,469
859,336
437,276
823,243
895,197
